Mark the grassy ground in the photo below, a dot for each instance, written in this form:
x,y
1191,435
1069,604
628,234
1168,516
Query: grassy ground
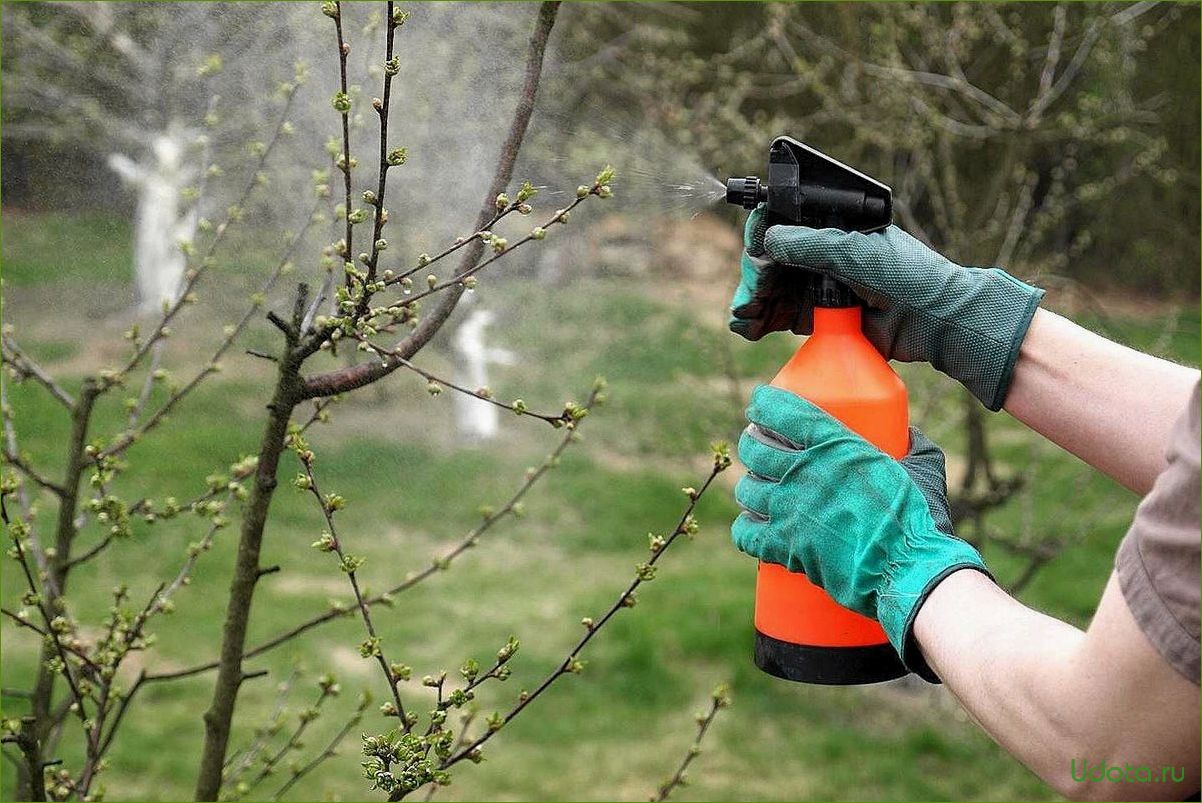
x,y
617,730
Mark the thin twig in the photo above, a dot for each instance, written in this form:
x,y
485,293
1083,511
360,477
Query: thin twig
x,y
212,365
49,622
345,379
18,462
517,407
331,749
512,507
718,700
372,646
571,664
193,274
25,366
305,718
241,759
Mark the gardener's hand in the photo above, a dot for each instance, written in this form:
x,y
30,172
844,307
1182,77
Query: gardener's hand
x,y
967,322
872,531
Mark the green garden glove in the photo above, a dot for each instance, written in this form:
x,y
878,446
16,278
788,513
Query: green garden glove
x,y
921,307
872,531
769,297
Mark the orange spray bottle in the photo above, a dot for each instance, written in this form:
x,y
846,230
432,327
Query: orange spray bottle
x,y
801,633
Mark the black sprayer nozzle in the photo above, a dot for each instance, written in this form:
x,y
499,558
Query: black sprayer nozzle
x,y
808,188
745,192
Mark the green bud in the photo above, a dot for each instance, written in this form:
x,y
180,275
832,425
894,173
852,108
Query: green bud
x,y
526,192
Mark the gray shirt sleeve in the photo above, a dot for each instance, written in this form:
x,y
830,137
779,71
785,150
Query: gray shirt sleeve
x,y
1158,560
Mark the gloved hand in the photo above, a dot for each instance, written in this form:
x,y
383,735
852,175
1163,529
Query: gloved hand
x,y
872,531
967,322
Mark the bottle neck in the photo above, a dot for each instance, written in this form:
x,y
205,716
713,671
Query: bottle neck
x,y
837,320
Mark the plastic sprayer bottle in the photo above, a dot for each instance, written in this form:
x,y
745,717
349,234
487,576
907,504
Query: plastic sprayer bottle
x,y
801,633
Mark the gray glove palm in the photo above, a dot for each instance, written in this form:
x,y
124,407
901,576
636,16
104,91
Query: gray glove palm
x,y
921,307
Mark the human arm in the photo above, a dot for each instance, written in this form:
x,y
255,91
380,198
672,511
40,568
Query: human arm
x,y
1050,694
981,327
875,534
1109,405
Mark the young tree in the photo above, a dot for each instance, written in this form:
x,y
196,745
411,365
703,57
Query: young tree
x,y
388,309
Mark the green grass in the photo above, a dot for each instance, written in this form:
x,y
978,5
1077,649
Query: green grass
x,y
617,730
71,249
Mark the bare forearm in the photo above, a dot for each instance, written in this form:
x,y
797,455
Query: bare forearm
x,y
1109,405
996,662
1050,694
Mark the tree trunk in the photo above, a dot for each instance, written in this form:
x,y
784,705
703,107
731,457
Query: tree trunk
x,y
246,575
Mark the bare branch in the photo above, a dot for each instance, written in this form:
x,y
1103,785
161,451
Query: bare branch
x,y
331,749
571,664
349,564
512,507
364,374
25,366
718,700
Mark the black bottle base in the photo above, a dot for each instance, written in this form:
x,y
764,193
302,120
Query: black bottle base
x,y
828,666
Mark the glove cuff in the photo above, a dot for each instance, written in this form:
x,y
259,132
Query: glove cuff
x,y
987,333
906,593
910,652
1021,325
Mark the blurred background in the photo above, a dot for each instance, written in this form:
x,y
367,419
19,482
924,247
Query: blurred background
x,y
1060,141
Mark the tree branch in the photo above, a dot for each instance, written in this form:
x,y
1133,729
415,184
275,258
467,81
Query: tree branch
x,y
718,700
25,366
571,664
365,373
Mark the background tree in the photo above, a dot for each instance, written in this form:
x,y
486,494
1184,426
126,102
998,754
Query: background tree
x,y
1011,137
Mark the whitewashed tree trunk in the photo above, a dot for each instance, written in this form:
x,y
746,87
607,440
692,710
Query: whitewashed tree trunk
x,y
161,221
476,419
